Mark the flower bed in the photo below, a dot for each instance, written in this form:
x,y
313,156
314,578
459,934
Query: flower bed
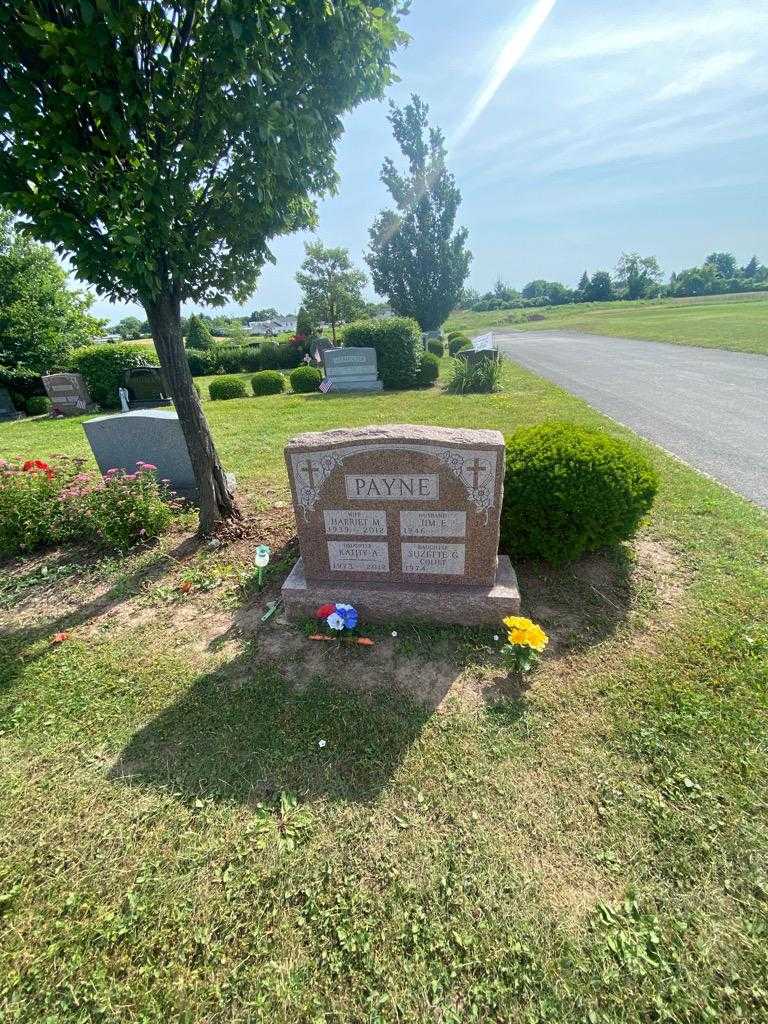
x,y
45,503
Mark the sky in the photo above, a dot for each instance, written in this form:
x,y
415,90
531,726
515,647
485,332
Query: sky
x,y
576,130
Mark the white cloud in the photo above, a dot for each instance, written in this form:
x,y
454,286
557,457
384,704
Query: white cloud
x,y
703,74
699,26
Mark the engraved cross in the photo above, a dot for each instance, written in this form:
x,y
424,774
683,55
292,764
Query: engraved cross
x,y
476,469
309,470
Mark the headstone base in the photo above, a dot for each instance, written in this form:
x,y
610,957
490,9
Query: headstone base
x,y
390,602
157,403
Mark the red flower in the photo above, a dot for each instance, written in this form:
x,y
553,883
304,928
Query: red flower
x,y
325,610
33,465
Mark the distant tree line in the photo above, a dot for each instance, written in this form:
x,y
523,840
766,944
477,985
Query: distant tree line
x,y
635,277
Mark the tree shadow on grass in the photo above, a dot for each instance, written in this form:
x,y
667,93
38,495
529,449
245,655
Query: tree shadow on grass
x,y
22,647
242,734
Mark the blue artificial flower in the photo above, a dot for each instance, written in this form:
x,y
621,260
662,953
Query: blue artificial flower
x,y
348,614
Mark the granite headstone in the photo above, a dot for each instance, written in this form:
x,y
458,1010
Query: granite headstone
x,y
317,346
402,522
147,387
68,393
144,435
8,410
352,369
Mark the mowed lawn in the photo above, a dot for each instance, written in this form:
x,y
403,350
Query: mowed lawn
x,y
736,322
176,844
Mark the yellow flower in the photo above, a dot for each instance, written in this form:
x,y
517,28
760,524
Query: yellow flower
x,y
517,636
517,622
536,638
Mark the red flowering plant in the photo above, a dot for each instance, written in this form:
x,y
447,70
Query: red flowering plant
x,y
42,503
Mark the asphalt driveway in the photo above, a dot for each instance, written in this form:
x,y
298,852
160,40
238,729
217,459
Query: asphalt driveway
x,y
707,406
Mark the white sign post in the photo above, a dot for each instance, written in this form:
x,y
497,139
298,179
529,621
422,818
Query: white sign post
x,y
485,341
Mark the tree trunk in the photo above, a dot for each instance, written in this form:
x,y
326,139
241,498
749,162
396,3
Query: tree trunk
x,y
215,500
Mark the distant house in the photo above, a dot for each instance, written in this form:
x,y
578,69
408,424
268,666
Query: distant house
x,y
271,327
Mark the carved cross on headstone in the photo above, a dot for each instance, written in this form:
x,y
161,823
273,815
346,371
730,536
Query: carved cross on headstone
x,y
309,471
476,469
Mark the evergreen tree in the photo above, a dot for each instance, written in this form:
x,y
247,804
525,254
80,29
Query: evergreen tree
x,y
304,325
198,335
416,259
751,268
582,290
600,287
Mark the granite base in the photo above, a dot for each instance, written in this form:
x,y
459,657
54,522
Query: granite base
x,y
389,602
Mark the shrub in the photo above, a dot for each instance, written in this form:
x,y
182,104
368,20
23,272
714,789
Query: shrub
x,y
457,342
436,346
38,405
568,490
268,382
397,341
103,367
201,364
42,503
305,379
283,356
226,387
429,370
481,377
28,503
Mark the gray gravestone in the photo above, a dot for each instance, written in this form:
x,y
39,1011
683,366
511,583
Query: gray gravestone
x,y
145,435
68,393
482,355
318,346
402,522
8,410
147,387
352,369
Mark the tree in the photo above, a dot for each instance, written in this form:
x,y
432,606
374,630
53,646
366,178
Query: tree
x,y
41,320
551,292
582,289
198,335
639,276
752,268
600,287
304,325
723,262
331,286
416,259
163,145
129,328
270,313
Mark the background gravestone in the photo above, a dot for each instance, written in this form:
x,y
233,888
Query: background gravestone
x,y
352,369
318,346
147,387
402,522
8,410
68,393
145,435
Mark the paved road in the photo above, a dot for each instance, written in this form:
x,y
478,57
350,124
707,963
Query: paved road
x,y
707,406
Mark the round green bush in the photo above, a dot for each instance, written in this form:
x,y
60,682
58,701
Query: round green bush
x,y
305,379
226,387
268,382
103,367
436,346
397,341
429,370
568,490
458,342
38,405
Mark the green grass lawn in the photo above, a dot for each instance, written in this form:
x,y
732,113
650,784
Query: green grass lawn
x,y
176,845
736,322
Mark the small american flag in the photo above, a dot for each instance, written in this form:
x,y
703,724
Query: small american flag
x,y
325,385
